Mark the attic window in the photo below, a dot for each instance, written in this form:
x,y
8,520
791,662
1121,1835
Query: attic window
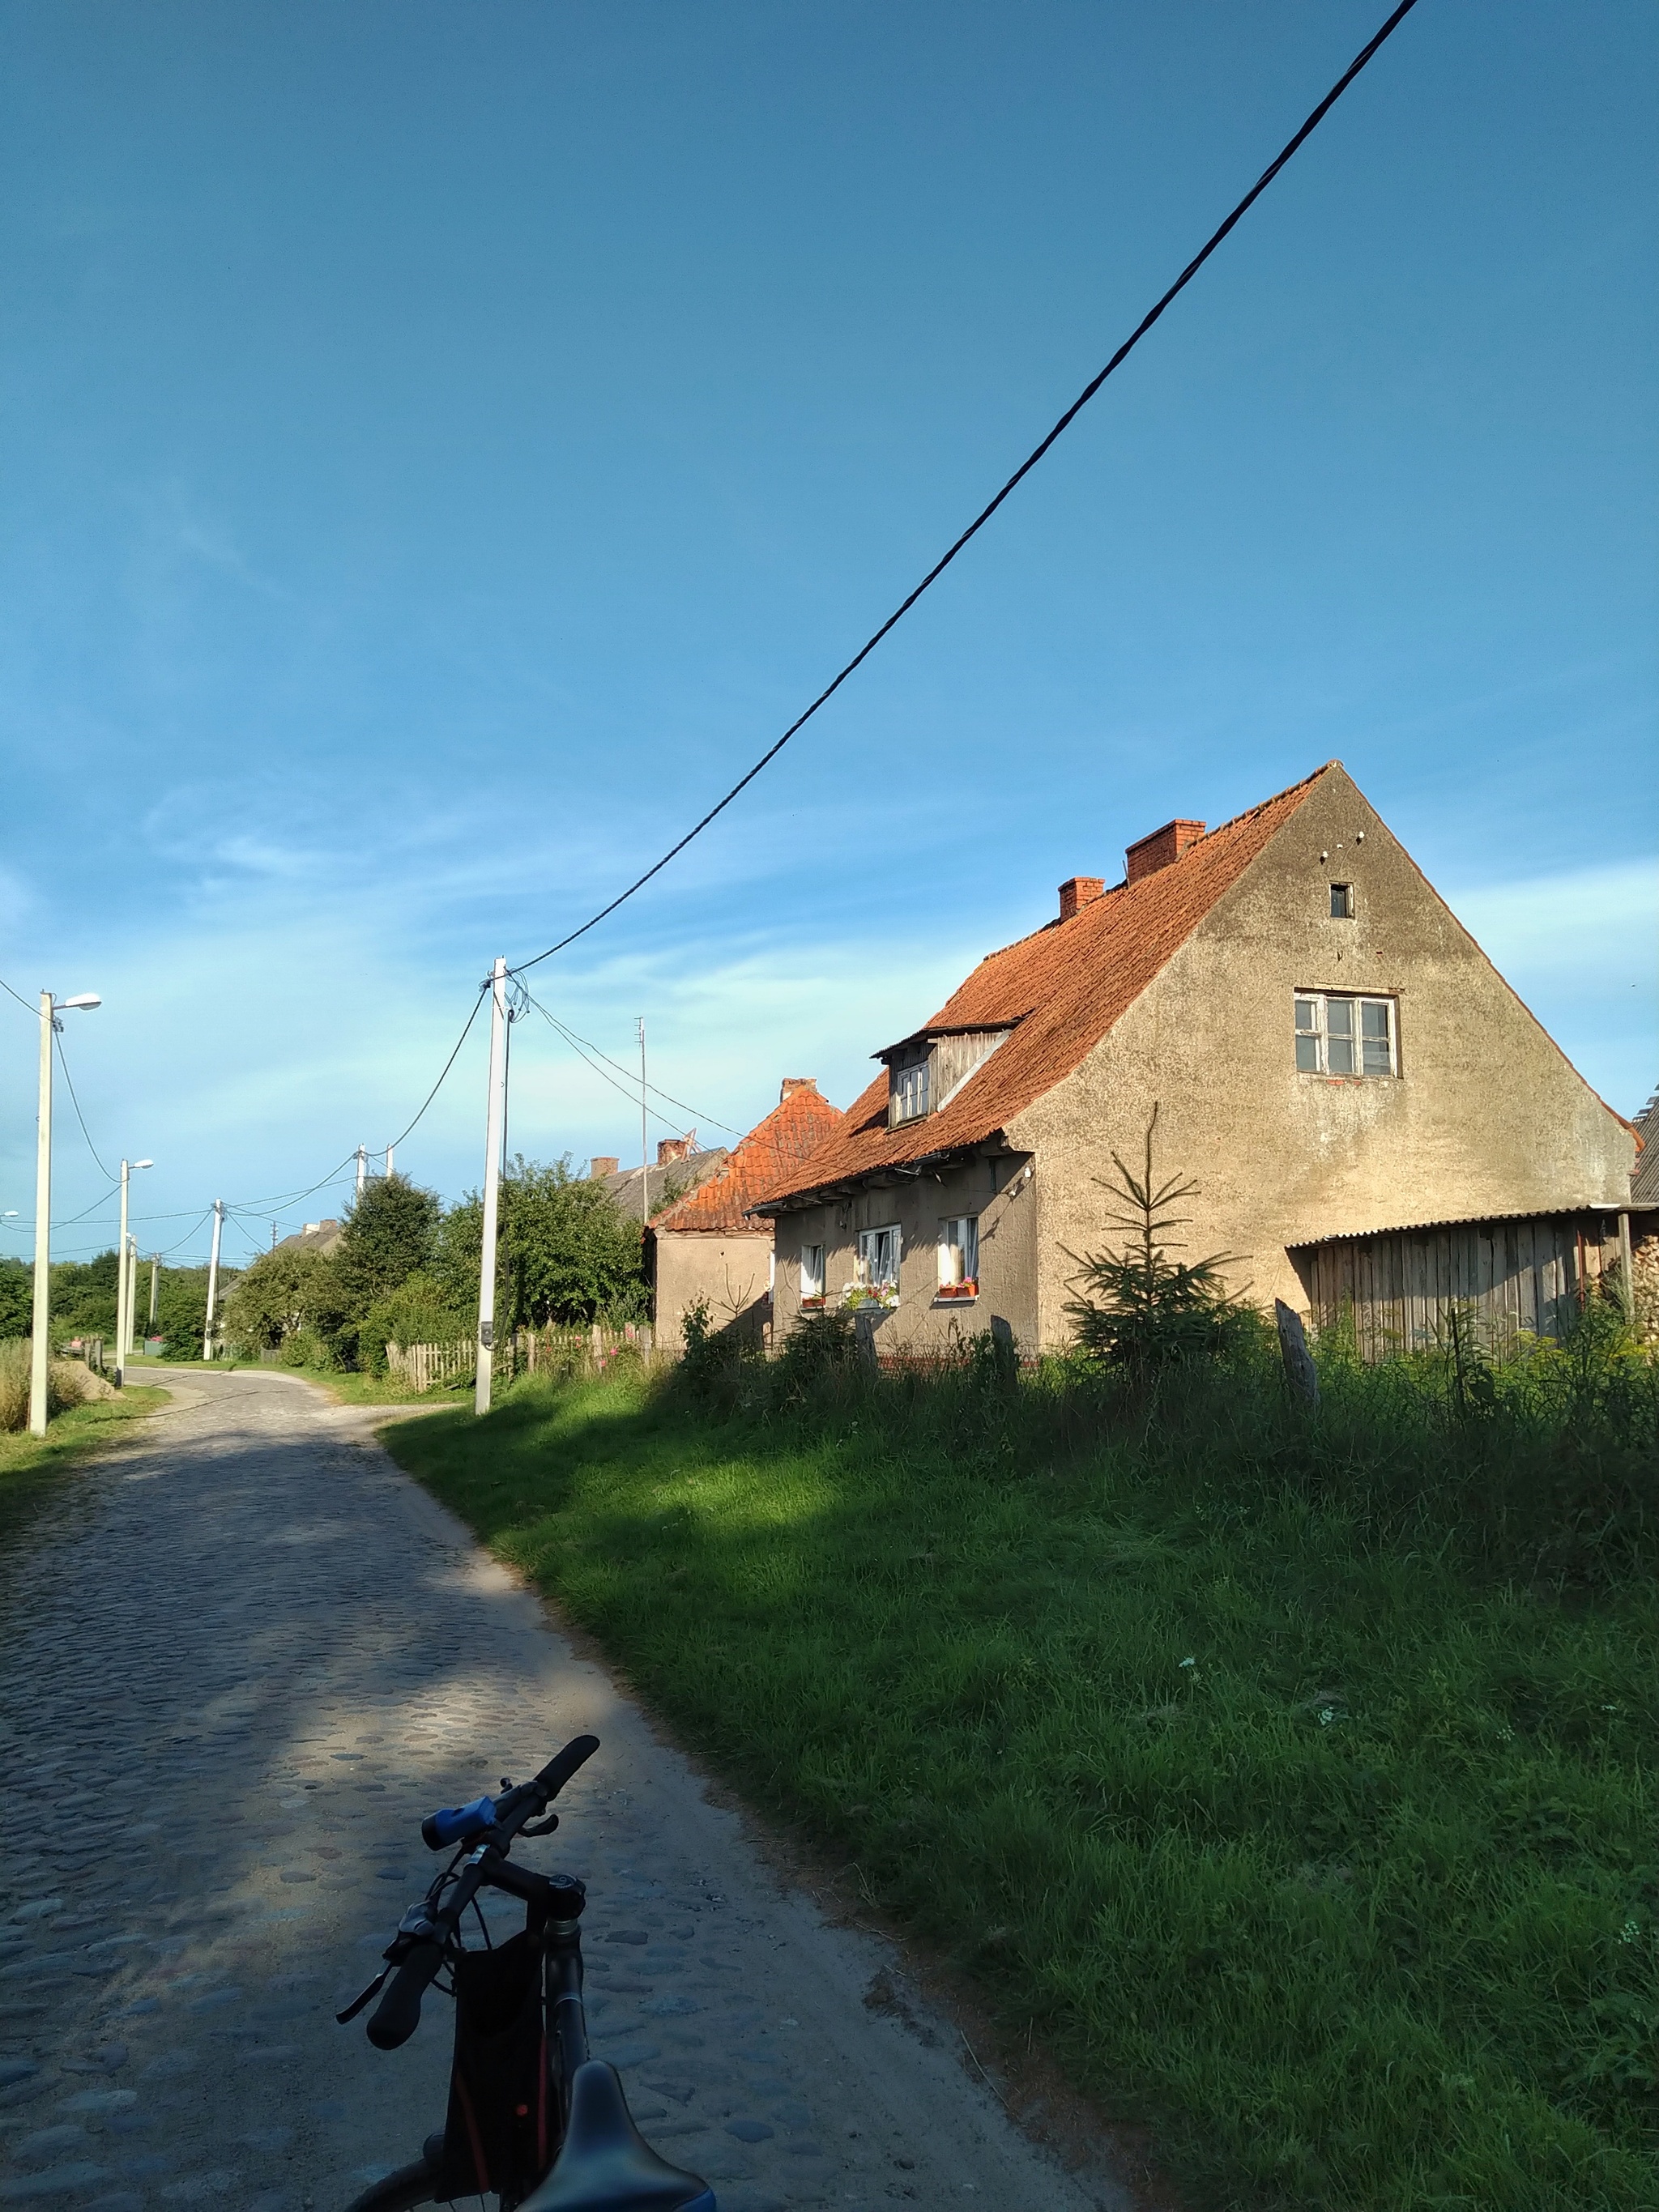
x,y
1341,902
1336,1035
909,1091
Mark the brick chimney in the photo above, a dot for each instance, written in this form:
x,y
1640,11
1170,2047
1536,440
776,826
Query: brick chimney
x,y
791,1084
1078,891
1148,854
670,1149
601,1165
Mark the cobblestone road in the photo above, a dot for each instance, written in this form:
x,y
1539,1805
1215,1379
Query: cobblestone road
x,y
240,1659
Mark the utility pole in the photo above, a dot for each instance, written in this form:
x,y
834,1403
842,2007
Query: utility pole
x,y
155,1278
388,1161
132,1294
40,1347
126,1280
645,1141
495,1136
212,1276
362,1166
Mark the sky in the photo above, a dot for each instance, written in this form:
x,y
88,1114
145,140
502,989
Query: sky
x,y
441,448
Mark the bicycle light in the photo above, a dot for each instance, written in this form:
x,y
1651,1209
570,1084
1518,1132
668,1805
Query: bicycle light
x,y
440,1830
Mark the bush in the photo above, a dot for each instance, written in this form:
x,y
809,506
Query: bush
x,y
417,1312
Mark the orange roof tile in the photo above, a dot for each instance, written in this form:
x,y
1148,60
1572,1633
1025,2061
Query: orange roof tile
x,y
1064,986
769,1155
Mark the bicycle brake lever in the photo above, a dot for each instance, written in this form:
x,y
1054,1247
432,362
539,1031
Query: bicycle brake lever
x,y
358,2003
542,1827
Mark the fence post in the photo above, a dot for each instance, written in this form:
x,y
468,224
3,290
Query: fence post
x,y
1299,1370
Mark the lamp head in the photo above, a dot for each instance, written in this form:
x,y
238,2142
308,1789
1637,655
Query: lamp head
x,y
84,1001
143,1164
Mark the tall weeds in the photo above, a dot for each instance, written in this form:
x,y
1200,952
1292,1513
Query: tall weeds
x,y
64,1385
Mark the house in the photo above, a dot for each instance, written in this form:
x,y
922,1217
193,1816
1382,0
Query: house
x,y
1329,1052
1645,1226
680,1165
709,1245
319,1237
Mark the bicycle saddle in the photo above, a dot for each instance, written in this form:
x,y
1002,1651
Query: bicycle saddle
x,y
606,2164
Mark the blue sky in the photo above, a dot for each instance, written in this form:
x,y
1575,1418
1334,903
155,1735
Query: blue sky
x,y
440,446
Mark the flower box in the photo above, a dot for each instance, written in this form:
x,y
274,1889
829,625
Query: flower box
x,y
955,1293
813,1305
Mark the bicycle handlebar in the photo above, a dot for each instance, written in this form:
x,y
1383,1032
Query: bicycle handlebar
x,y
398,2015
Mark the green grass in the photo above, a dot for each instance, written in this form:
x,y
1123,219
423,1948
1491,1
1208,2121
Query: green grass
x,y
1291,1778
72,1432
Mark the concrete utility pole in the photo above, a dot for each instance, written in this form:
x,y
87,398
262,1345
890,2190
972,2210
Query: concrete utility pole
x,y
495,1136
213,1277
388,1159
124,1282
362,1166
645,1141
40,1347
155,1281
132,1295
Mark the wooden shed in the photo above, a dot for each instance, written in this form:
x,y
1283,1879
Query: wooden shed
x,y
1512,1275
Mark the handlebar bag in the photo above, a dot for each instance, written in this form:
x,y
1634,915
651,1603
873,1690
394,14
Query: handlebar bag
x,y
499,2132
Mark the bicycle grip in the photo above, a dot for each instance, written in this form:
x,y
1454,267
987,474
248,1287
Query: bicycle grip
x,y
398,2014
559,1769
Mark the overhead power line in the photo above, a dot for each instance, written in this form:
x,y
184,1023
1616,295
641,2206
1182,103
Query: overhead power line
x,y
79,1115
1314,119
581,1044
21,1000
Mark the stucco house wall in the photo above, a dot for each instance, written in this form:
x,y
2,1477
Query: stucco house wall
x,y
995,1188
1485,1115
731,1272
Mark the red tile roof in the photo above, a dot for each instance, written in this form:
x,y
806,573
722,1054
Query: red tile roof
x,y
769,1155
1064,986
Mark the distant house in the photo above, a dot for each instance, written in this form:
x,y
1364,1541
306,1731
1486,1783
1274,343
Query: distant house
x,y
1331,1055
319,1237
709,1245
1644,1223
680,1165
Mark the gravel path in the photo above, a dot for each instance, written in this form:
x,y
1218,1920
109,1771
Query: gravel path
x,y
239,1658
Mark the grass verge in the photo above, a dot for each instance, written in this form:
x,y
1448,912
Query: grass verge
x,y
1246,1773
69,1434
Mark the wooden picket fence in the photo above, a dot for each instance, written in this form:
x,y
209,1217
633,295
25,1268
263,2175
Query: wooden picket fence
x,y
526,1352
420,1366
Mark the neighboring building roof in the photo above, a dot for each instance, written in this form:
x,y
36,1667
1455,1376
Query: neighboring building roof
x,y
769,1155
1060,990
674,1172
1644,1175
316,1237
1602,1206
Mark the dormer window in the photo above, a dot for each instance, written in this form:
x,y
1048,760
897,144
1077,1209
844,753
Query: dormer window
x,y
908,1089
925,1072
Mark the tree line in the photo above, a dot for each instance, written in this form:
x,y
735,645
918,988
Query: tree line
x,y
405,1270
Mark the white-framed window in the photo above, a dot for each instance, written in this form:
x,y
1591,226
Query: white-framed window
x,y
909,1091
812,1275
958,1257
1339,1035
876,1267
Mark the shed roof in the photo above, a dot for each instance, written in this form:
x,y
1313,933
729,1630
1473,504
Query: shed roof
x,y
770,1154
1606,1209
1060,990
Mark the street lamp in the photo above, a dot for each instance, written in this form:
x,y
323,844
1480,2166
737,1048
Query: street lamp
x,y
126,1280
40,1349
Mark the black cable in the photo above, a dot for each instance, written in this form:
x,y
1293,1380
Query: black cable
x,y
21,1000
1019,475
573,1039
79,1115
284,1199
630,1090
